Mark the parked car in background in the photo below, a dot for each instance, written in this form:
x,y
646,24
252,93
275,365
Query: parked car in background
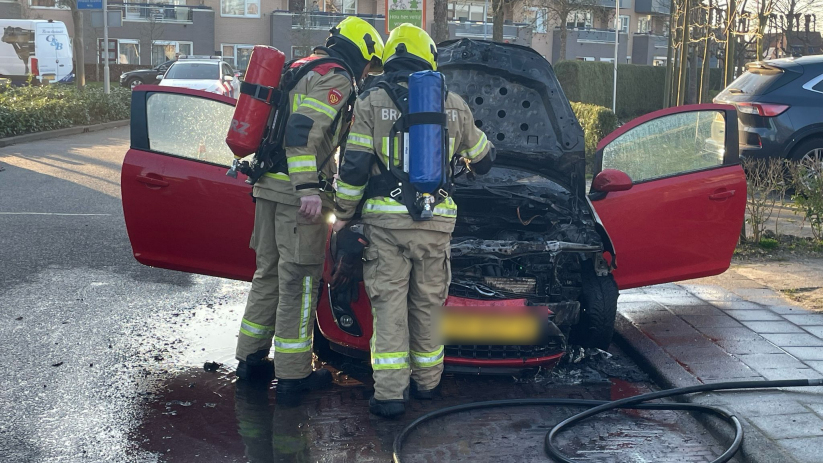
x,y
211,74
527,237
779,108
38,49
137,77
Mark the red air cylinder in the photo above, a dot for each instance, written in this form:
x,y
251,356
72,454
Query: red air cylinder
x,y
250,114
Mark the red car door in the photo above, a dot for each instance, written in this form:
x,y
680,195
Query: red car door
x,y
182,212
683,214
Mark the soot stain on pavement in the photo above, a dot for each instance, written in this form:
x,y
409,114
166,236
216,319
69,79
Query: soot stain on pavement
x,y
191,414
208,416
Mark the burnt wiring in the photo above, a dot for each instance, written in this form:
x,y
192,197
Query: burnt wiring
x,y
527,222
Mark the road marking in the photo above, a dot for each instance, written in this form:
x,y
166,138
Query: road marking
x,y
50,213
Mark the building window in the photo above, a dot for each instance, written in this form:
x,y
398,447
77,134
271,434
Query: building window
x,y
240,8
300,52
164,50
112,51
128,51
607,60
237,55
579,20
624,24
585,58
467,11
538,18
46,4
643,25
340,6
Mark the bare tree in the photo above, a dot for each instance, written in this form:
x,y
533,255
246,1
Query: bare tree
x,y
150,31
558,11
440,25
302,36
77,43
792,22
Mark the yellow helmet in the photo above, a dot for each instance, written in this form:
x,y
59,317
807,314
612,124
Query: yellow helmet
x,y
408,40
363,36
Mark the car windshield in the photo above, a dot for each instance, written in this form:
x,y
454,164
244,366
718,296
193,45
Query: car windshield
x,y
194,71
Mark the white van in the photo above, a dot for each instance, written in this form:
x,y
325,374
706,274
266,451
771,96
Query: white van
x,y
40,48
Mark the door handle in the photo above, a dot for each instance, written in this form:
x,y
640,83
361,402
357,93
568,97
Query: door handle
x,y
722,195
159,182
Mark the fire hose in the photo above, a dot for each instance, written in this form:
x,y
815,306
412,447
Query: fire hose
x,y
637,402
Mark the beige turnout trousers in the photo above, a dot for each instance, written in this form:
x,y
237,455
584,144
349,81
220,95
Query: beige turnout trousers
x,y
407,275
281,303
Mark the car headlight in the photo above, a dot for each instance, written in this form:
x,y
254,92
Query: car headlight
x,y
122,76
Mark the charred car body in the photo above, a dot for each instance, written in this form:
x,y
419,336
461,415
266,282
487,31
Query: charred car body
x,y
527,234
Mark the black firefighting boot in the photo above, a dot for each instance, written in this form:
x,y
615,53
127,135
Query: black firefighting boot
x,y
424,394
256,368
318,379
387,408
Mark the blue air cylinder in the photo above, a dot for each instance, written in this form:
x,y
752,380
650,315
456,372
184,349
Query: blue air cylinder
x,y
426,156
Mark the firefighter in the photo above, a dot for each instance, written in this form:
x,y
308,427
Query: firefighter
x,y
406,266
293,202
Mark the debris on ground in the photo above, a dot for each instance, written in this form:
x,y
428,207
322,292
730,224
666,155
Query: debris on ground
x,y
56,364
591,366
212,366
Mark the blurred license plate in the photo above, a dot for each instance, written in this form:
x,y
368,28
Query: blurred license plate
x,y
524,325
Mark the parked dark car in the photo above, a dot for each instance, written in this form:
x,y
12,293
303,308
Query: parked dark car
x,y
779,108
132,79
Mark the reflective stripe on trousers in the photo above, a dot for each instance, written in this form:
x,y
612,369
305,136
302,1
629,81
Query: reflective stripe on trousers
x,y
427,359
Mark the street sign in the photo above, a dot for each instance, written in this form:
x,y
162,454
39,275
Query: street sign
x,y
115,18
405,11
89,4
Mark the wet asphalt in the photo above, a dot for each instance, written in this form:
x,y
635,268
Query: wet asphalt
x,y
103,358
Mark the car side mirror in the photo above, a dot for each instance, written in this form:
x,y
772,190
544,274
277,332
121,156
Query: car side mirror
x,y
160,77
611,180
228,78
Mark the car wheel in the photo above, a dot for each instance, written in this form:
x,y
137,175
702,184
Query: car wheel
x,y
809,152
598,308
134,82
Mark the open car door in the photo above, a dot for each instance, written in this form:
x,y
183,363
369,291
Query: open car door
x,y
684,210
182,212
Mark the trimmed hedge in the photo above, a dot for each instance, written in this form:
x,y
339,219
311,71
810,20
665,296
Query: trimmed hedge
x,y
35,109
639,88
597,122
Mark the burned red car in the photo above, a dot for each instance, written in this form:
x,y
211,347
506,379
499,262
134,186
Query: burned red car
x,y
666,204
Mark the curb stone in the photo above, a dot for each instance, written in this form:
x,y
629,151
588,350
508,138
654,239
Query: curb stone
x,y
663,369
8,141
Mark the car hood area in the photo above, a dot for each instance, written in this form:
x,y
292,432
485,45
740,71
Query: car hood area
x,y
517,101
207,85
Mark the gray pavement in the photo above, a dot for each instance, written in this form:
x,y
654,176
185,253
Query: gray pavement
x,y
732,328
103,357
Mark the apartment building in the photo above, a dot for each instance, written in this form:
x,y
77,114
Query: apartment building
x,y
155,32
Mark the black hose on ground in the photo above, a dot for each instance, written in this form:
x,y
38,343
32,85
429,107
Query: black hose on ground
x,y
600,406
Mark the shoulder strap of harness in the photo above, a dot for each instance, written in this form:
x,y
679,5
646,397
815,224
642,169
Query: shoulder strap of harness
x,y
272,156
393,181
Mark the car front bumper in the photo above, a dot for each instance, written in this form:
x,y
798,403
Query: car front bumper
x,y
471,359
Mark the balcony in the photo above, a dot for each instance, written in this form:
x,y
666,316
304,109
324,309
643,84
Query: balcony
x,y
519,33
648,48
325,21
155,12
656,7
592,36
610,3
590,44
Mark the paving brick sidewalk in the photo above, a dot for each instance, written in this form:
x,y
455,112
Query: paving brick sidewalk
x,y
735,329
